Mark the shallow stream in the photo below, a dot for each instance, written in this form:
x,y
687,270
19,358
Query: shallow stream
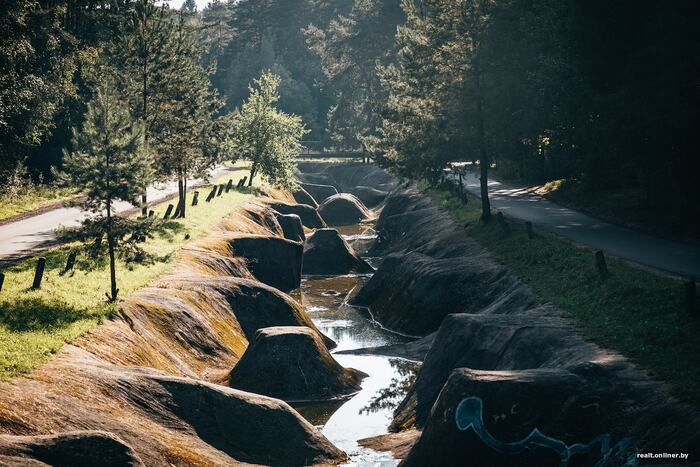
x,y
369,412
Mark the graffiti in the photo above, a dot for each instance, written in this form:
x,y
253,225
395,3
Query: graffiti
x,y
469,414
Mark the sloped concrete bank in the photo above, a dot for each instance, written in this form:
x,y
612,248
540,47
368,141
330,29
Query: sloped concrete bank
x,y
149,387
507,380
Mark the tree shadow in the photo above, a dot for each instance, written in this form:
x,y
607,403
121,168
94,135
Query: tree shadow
x,y
35,314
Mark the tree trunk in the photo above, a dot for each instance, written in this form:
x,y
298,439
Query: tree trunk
x,y
253,169
184,196
110,245
483,157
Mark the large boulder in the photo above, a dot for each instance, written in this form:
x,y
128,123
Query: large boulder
x,y
273,260
343,209
371,197
83,448
413,292
292,227
293,364
492,416
254,304
490,342
320,192
302,196
308,215
326,252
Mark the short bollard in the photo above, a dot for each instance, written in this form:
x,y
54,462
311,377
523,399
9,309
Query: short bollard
x,y
168,211
2,280
211,194
151,213
229,185
601,265
70,261
221,189
195,198
39,273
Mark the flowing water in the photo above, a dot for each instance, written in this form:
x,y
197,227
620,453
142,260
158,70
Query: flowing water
x,y
369,412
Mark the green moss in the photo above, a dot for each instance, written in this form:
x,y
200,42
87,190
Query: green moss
x,y
635,312
35,323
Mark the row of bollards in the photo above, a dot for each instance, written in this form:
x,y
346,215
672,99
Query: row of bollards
x,y
216,191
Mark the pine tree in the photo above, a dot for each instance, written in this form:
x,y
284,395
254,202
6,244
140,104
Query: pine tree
x,y
107,164
350,49
187,151
145,54
267,137
189,6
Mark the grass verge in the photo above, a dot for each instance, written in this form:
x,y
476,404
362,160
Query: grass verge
x,y
35,198
635,312
36,323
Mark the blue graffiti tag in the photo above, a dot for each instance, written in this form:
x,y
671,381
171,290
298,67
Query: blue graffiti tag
x,y
469,414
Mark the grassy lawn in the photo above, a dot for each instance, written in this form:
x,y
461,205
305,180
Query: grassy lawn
x,y
35,323
636,312
35,198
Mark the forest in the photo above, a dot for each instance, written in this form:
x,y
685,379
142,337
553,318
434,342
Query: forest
x,y
597,99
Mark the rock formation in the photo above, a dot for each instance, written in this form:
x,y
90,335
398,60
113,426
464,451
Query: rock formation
x,y
308,215
320,192
291,363
326,252
292,227
343,209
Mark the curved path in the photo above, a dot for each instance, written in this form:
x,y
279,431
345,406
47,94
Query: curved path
x,y
665,255
31,235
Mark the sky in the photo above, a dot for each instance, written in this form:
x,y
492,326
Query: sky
x,y
201,4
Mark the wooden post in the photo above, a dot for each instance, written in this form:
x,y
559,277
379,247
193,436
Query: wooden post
x,y
211,194
178,210
70,261
528,229
39,273
691,297
2,280
240,183
195,198
502,222
168,211
221,189
600,264
229,185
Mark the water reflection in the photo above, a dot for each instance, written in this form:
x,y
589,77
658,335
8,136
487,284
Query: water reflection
x,y
369,412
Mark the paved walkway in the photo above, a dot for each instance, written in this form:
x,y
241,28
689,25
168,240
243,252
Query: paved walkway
x,y
665,255
32,235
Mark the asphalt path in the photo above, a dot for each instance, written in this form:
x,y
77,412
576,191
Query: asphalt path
x,y
518,202
31,235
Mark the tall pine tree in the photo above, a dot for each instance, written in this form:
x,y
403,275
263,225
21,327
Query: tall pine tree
x,y
107,164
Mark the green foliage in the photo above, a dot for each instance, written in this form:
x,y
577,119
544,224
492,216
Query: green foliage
x,y
37,65
248,37
350,49
108,164
266,136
